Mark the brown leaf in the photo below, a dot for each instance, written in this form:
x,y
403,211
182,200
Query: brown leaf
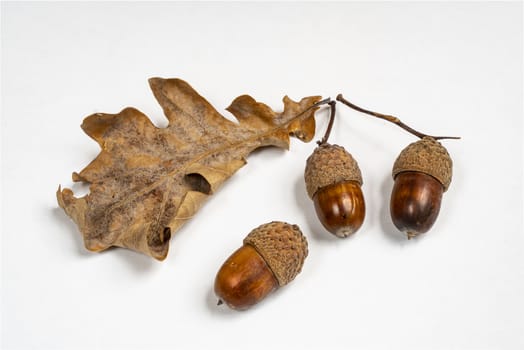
x,y
147,181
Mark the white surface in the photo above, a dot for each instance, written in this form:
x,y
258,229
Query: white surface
x,y
443,68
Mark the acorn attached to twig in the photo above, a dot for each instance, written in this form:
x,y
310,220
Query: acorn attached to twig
x,y
333,181
422,173
272,256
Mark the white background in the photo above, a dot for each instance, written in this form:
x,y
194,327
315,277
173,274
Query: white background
x,y
443,68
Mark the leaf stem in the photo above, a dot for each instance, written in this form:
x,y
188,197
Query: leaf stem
x,y
327,100
392,119
314,105
332,106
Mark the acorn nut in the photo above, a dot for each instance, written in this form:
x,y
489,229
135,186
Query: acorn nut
x,y
333,181
422,173
272,255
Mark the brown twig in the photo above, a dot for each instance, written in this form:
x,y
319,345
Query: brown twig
x,y
391,119
330,124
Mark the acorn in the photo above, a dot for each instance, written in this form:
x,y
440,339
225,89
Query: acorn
x,y
272,255
333,181
422,173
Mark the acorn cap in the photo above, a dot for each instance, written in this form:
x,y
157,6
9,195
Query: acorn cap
x,y
427,156
282,246
328,165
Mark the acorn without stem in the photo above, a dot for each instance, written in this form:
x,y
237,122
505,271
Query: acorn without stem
x,y
333,181
422,173
272,256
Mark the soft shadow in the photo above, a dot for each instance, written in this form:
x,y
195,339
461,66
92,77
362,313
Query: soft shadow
x,y
139,263
215,309
266,149
73,234
318,231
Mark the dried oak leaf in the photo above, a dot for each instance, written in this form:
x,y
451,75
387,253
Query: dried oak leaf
x,y
147,181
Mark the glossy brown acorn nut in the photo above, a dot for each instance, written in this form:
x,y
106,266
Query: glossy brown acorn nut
x,y
333,181
422,174
244,279
272,256
340,207
415,202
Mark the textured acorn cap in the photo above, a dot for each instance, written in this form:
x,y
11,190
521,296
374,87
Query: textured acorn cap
x,y
328,165
427,156
282,246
